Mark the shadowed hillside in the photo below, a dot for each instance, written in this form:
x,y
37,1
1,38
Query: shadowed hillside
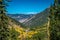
x,y
38,19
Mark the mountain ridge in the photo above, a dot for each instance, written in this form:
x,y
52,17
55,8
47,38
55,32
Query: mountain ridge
x,y
38,19
20,17
32,20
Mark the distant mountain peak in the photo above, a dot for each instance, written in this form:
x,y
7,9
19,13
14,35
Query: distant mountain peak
x,y
20,17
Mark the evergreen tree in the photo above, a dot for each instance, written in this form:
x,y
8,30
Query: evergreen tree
x,y
4,30
54,21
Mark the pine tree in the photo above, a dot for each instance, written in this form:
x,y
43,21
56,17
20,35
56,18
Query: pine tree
x,y
54,21
4,30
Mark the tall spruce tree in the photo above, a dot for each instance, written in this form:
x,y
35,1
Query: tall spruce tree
x,y
54,21
4,30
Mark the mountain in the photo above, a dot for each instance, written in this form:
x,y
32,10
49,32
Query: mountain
x,y
32,20
20,17
38,19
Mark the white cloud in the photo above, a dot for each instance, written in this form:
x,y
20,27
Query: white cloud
x,y
31,12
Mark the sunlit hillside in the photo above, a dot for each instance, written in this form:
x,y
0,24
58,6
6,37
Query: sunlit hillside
x,y
30,33
24,32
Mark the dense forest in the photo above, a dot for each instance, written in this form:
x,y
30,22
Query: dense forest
x,y
45,26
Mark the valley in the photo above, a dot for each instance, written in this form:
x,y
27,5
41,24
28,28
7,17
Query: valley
x,y
28,21
31,28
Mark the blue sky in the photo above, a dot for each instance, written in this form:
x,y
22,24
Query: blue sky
x,y
28,6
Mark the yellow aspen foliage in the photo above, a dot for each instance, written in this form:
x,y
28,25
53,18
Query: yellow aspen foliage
x,y
24,33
